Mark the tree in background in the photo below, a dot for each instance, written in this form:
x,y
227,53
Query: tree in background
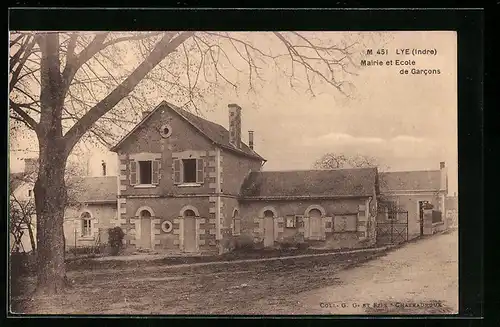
x,y
72,87
339,160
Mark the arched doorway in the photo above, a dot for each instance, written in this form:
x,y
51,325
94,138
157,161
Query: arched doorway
x,y
189,217
145,217
315,224
268,228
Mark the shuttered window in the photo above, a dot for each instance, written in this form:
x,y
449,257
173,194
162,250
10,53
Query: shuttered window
x,y
145,172
189,171
133,172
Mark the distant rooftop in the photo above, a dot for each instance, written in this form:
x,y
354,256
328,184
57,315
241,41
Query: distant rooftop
x,y
410,180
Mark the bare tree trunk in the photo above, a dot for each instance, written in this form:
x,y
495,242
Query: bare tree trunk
x,y
50,196
50,188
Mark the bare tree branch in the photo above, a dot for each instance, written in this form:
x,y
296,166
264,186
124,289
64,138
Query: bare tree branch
x,y
70,52
165,46
20,61
73,63
27,119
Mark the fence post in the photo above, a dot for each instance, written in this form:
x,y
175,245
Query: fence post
x,y
407,227
392,230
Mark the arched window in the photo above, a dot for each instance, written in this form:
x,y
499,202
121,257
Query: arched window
x,y
269,214
236,222
189,213
314,213
145,214
86,219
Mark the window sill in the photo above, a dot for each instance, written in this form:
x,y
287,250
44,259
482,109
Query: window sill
x,y
86,238
189,185
438,223
145,186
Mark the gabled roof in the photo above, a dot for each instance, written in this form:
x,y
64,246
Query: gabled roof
x,y
356,182
426,180
214,132
101,189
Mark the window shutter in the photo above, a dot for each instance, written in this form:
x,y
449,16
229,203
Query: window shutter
x,y
133,172
177,171
199,171
156,172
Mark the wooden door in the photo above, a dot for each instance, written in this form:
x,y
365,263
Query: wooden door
x,y
268,231
146,233
190,234
315,224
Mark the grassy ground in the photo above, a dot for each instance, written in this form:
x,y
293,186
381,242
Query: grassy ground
x,y
223,289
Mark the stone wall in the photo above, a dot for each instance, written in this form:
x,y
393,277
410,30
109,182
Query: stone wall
x,y
252,223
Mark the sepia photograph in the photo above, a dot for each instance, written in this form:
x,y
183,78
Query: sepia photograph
x,y
233,173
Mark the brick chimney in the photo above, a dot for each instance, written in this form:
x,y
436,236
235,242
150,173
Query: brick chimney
x,y
250,139
30,165
235,125
444,176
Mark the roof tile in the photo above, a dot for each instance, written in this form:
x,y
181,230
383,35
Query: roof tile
x,y
96,189
410,180
311,183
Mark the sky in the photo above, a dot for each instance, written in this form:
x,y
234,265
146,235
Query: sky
x,y
408,122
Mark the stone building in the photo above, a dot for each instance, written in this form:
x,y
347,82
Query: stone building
x,y
187,183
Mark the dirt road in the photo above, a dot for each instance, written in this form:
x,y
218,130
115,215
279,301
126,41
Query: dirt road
x,y
420,278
